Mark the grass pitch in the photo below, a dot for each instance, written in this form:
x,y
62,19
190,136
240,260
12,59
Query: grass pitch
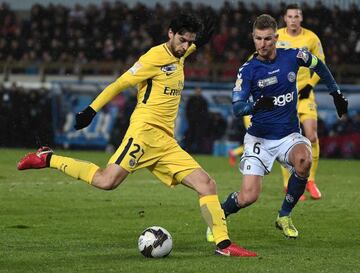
x,y
52,223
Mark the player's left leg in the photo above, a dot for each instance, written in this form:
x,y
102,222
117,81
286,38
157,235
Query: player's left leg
x,y
310,130
299,158
214,216
106,179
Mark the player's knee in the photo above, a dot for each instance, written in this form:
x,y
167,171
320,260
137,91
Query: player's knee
x,y
210,185
106,182
207,186
304,165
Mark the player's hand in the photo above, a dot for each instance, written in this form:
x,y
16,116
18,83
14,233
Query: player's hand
x,y
305,92
84,118
204,36
341,103
264,103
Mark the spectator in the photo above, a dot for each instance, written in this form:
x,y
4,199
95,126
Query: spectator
x,y
197,116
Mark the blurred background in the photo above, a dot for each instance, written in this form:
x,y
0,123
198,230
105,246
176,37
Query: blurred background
x,y
56,56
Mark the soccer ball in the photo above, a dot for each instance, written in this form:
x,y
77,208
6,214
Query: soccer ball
x,y
155,242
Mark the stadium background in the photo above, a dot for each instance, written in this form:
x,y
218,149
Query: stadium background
x,y
55,56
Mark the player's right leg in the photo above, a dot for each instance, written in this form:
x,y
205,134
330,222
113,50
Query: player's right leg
x,y
106,179
214,216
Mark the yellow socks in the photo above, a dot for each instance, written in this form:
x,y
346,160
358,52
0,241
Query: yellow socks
x,y
285,175
73,167
214,217
315,149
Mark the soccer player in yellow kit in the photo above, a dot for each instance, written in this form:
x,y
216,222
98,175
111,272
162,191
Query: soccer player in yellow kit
x,y
149,141
296,36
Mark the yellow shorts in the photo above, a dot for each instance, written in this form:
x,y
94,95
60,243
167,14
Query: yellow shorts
x,y
307,109
145,146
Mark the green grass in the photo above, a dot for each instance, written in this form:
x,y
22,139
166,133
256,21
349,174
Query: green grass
x,y
52,223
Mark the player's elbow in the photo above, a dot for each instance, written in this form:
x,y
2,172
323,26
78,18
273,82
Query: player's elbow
x,y
241,108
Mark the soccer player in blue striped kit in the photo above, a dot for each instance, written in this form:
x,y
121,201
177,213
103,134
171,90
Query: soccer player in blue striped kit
x,y
270,79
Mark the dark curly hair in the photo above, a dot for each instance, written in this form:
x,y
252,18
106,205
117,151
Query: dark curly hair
x,y
185,23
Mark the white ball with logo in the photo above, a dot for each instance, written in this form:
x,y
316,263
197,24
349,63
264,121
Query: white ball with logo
x,y
155,242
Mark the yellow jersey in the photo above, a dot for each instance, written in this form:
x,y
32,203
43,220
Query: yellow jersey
x,y
311,42
159,78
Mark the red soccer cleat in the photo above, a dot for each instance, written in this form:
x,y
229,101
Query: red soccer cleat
x,y
232,158
313,190
36,160
235,251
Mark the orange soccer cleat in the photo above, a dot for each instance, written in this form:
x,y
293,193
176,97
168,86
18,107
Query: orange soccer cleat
x,y
313,190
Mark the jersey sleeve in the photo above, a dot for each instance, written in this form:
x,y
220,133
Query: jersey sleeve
x,y
190,50
318,51
242,88
305,58
241,92
140,71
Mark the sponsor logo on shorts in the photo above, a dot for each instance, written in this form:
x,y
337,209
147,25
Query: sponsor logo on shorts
x,y
132,162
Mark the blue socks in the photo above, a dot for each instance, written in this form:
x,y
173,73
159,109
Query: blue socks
x,y
231,205
296,187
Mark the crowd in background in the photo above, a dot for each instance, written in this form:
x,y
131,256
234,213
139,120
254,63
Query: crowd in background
x,y
25,117
116,32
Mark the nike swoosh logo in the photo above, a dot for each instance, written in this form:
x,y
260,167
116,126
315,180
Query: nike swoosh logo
x,y
223,253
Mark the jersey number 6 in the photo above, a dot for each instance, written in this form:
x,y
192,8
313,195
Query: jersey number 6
x,y
256,148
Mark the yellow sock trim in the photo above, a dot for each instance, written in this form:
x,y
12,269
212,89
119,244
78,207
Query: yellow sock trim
x,y
315,149
214,217
285,175
238,151
78,169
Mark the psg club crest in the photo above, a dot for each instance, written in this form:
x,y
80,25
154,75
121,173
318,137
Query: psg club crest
x,y
132,162
291,76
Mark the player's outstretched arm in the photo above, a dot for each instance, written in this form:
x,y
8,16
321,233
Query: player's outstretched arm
x,y
304,58
84,118
341,103
204,36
